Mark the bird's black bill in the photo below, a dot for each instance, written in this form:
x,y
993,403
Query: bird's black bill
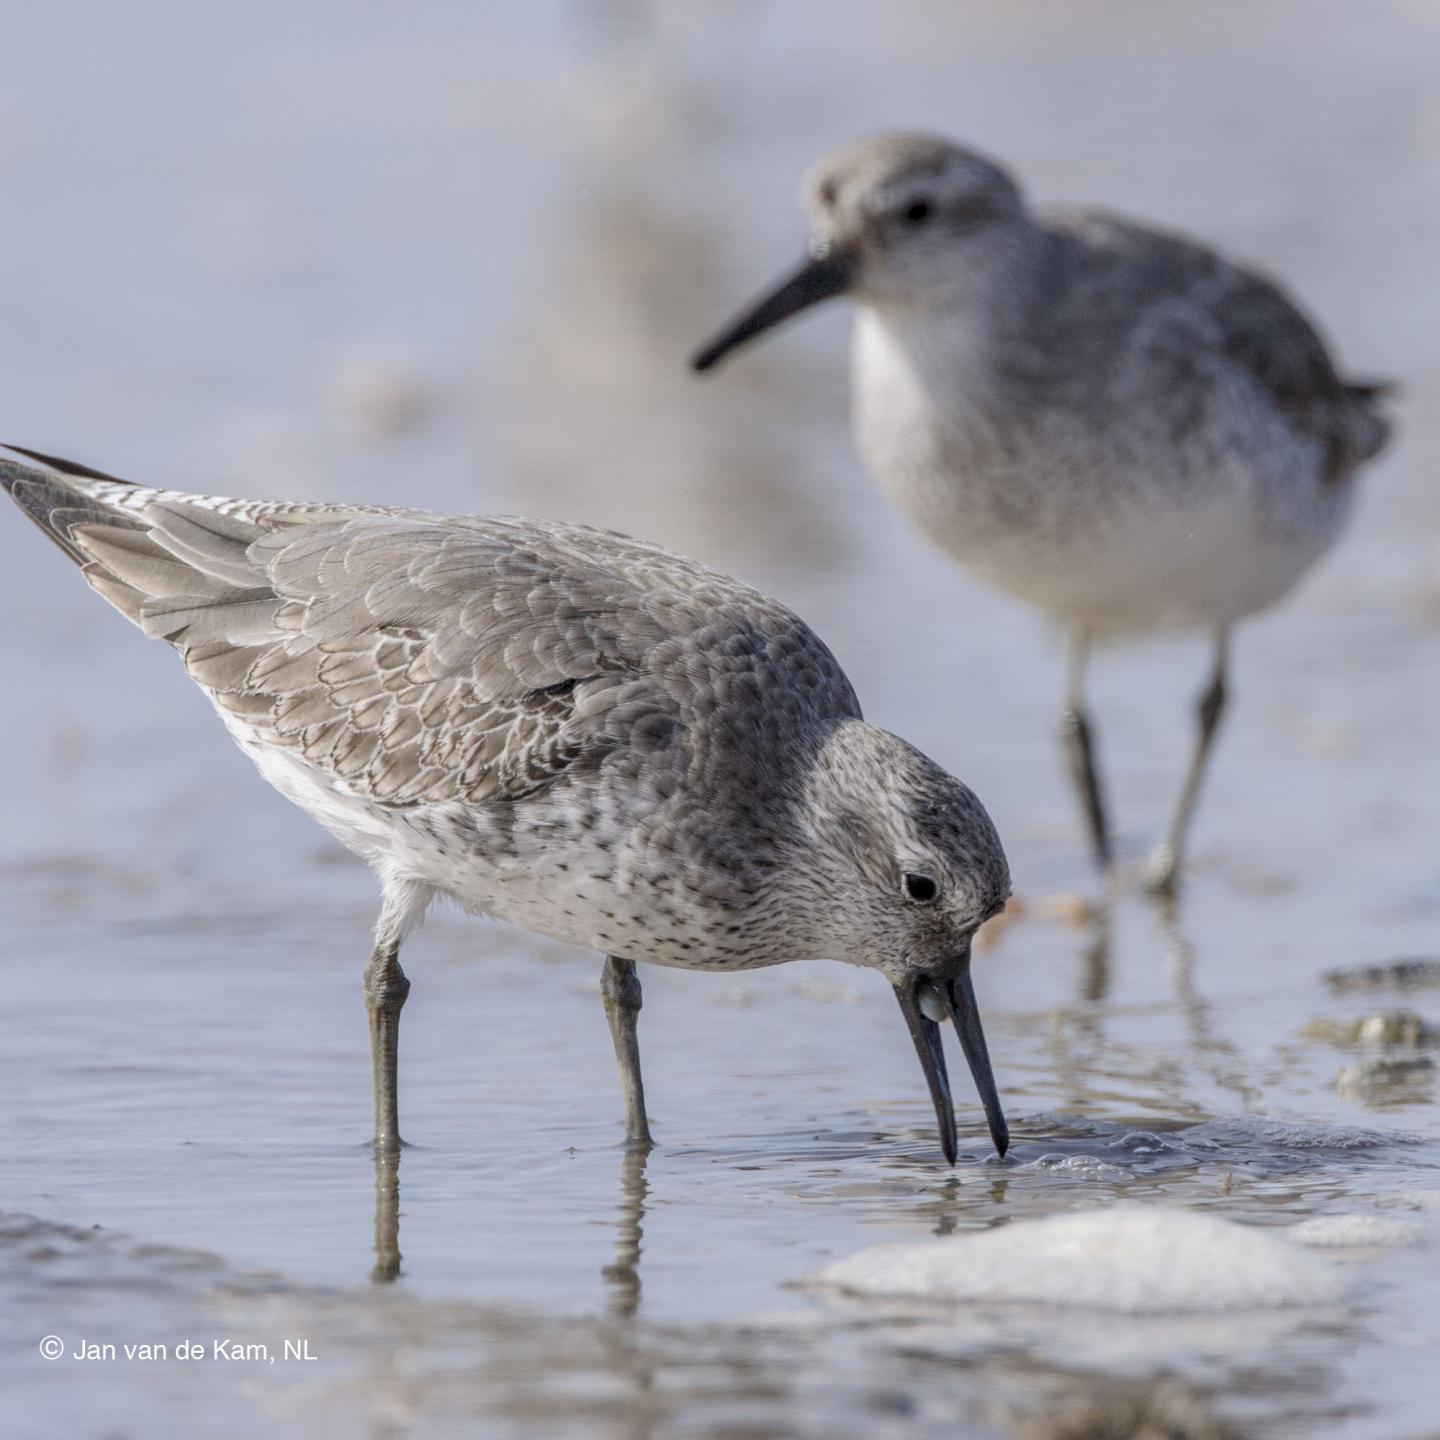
x,y
926,1035
821,277
955,997
966,1014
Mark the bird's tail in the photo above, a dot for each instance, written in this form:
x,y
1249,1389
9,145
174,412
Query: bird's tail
x,y
65,499
62,496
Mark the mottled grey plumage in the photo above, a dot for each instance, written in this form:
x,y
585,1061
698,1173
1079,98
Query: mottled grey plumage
x,y
557,726
1116,424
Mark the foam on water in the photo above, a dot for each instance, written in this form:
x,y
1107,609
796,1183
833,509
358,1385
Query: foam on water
x,y
1340,1231
1082,1147
1135,1259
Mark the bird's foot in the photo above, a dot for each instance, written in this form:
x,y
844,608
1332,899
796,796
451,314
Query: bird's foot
x,y
1162,873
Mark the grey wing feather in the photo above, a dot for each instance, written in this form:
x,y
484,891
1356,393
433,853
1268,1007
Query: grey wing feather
x,y
206,540
409,659
1272,340
1182,300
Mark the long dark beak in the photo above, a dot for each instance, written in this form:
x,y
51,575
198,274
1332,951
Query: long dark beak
x,y
954,998
821,277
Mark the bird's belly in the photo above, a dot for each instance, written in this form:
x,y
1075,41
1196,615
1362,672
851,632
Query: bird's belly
x,y
1094,537
1195,565
550,897
552,884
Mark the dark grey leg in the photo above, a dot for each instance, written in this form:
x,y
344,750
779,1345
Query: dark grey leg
x,y
1163,874
620,987
1078,737
385,990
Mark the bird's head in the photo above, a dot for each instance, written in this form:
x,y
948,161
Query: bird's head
x,y
895,219
902,865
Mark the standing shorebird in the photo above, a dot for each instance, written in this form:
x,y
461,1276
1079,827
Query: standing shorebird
x,y
1115,424
561,727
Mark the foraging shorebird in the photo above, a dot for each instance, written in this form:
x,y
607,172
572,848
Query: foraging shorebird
x,y
580,733
1115,424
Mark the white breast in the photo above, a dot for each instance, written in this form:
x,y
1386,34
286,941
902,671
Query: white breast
x,y
1116,527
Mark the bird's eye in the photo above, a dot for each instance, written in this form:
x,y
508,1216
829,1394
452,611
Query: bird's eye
x,y
827,192
921,888
918,211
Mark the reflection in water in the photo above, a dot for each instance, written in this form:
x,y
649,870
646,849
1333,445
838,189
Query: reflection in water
x,y
1076,1033
387,1216
623,1277
629,1351
1095,975
1216,1056
1093,1057
947,1206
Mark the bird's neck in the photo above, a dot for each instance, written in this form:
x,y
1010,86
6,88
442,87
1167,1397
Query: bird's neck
x,y
959,344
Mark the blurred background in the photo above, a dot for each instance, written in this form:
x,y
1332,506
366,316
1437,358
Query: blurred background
x,y
455,256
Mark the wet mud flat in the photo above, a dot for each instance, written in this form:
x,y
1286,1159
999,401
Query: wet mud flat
x,y
531,1278
1153,1348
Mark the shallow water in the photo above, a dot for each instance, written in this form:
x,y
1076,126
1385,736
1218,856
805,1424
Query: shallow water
x,y
407,256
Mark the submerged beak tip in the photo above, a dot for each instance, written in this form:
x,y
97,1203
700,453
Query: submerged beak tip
x,y
924,1005
925,1033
